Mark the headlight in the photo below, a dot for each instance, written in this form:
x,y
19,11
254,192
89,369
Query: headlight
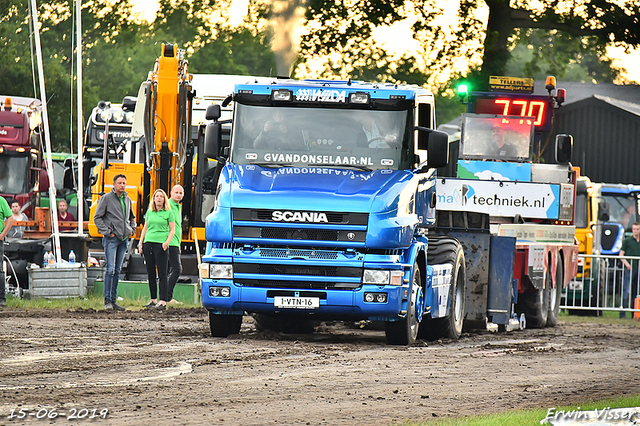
x,y
216,271
382,277
129,116
106,115
118,115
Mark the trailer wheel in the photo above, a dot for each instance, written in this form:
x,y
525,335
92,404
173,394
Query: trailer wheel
x,y
448,250
555,294
224,325
535,305
405,331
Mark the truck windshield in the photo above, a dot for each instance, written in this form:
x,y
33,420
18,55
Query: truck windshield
x,y
622,210
496,137
344,138
14,173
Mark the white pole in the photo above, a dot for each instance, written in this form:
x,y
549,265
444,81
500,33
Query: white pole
x,y
80,121
47,139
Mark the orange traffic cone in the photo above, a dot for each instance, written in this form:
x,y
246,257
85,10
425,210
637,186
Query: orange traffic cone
x,y
636,305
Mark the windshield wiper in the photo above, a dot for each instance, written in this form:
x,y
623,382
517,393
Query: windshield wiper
x,y
355,166
271,165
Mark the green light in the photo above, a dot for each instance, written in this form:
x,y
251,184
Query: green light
x,y
463,89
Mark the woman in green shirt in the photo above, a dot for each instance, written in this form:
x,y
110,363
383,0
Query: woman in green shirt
x,y
158,230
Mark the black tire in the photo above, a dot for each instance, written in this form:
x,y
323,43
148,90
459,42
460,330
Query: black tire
x,y
284,324
405,331
555,294
535,305
224,325
448,250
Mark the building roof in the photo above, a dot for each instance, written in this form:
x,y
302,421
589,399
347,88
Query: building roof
x,y
577,91
633,108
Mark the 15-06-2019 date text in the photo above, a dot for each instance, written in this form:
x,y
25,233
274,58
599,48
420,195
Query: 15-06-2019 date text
x,y
53,413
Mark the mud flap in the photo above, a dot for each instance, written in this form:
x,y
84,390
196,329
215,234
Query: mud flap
x,y
500,291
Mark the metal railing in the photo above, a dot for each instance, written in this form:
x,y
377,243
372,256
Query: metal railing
x,y
603,283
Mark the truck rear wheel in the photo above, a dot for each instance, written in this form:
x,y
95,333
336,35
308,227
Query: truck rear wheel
x,y
535,305
405,331
224,325
555,294
444,250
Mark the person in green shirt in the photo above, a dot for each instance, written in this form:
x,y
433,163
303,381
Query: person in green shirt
x,y
175,266
5,215
157,233
630,247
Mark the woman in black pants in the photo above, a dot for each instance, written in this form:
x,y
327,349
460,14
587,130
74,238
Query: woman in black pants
x,y
158,230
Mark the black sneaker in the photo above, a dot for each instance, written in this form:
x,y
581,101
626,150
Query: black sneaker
x,y
108,307
117,307
150,305
160,307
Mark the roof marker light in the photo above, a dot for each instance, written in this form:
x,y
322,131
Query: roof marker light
x,y
359,98
281,95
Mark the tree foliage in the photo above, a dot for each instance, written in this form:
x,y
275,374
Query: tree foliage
x,y
344,26
117,52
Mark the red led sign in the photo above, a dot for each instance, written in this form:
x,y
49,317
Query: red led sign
x,y
539,108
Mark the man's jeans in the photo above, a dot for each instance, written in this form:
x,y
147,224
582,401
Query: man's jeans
x,y
629,285
114,250
2,272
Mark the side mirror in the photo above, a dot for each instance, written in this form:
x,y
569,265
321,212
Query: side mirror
x,y
603,211
438,149
564,148
213,112
212,138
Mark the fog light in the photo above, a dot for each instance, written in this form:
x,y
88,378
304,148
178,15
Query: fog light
x,y
375,297
219,291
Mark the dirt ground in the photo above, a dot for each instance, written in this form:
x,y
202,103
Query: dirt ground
x,y
164,368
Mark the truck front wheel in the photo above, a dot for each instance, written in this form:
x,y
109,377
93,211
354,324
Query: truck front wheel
x,y
405,331
443,250
224,325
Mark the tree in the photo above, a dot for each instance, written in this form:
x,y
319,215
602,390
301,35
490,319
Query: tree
x,y
539,53
343,25
117,52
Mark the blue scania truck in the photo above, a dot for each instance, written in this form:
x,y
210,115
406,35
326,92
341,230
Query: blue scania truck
x,y
325,208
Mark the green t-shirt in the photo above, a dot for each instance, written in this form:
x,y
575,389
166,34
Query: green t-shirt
x,y
177,213
631,247
5,212
158,225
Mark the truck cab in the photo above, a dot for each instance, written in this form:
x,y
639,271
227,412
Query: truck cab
x,y
322,207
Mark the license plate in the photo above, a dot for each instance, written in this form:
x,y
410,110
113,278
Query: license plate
x,y
296,302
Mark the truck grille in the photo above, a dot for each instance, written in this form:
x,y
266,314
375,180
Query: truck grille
x,y
301,253
300,234
309,270
310,285
266,215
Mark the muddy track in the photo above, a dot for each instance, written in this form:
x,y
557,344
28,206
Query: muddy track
x,y
164,368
